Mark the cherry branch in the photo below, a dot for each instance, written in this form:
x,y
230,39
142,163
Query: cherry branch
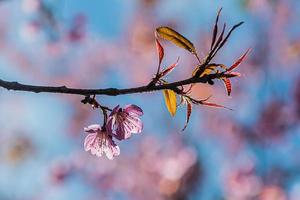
x,y
109,91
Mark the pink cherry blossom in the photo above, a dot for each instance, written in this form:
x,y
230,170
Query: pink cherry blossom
x,y
98,141
122,122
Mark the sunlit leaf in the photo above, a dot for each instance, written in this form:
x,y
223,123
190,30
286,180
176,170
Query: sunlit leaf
x,y
169,69
188,114
160,51
239,61
170,100
176,38
227,85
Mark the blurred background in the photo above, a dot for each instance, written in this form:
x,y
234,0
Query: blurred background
x,y
249,153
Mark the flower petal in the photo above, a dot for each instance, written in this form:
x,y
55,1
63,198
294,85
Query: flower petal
x,y
127,130
120,132
133,109
115,110
124,122
112,150
136,124
89,140
92,128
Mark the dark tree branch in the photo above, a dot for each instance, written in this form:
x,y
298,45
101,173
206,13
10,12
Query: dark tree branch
x,y
108,91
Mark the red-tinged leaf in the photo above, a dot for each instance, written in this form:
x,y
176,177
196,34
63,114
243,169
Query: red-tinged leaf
x,y
188,114
169,69
213,105
160,51
215,32
239,61
234,74
227,85
220,38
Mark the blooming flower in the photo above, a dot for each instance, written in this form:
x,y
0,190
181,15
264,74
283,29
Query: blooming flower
x,y
122,122
98,141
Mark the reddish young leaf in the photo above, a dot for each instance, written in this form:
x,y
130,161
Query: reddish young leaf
x,y
213,105
220,38
234,74
188,114
239,61
169,69
215,32
160,51
227,85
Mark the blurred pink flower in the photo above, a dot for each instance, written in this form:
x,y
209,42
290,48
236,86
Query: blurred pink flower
x,y
99,142
123,122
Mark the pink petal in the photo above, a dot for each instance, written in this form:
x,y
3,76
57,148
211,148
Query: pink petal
x,y
126,129
121,124
109,154
92,128
116,127
136,124
120,133
115,110
97,150
98,147
128,126
89,140
133,109
112,151
116,150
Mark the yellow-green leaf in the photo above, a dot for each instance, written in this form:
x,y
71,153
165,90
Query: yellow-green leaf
x,y
175,37
170,100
